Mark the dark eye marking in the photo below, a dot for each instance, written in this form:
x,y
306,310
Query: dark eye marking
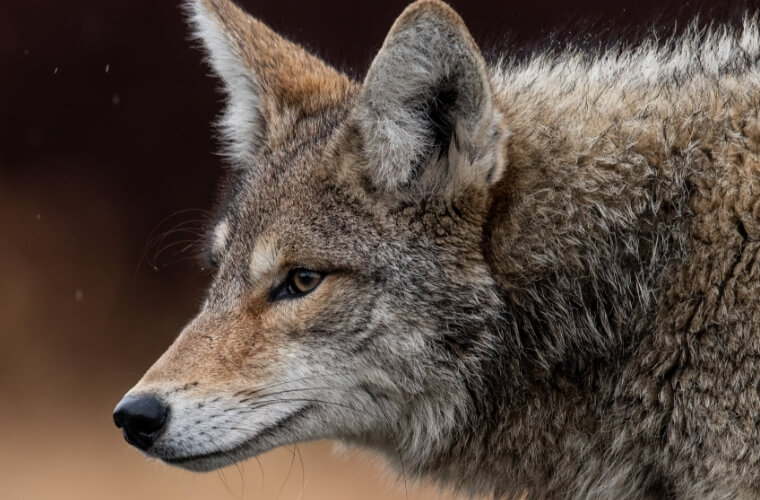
x,y
299,282
209,260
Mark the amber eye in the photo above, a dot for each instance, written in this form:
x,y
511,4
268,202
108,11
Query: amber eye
x,y
304,281
299,282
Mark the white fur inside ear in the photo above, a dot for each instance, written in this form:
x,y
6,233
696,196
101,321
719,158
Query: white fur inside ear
x,y
241,123
464,167
391,110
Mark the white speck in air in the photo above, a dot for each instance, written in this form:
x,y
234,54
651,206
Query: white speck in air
x,y
39,216
108,68
115,100
55,71
78,295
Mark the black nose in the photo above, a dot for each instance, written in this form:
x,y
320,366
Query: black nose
x,y
141,418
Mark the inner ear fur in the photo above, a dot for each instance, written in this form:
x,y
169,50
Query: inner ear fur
x,y
426,117
269,81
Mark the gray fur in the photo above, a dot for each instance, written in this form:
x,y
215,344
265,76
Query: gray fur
x,y
426,67
579,322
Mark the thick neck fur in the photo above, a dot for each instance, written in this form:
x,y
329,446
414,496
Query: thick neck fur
x,y
610,161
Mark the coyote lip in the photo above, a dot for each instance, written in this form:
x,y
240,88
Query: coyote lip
x,y
249,447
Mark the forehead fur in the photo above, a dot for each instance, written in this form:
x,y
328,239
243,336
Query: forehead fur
x,y
293,213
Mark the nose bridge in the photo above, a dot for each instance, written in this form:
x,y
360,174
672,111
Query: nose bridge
x,y
210,350
188,356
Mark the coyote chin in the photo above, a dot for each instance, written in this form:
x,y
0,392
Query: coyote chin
x,y
537,277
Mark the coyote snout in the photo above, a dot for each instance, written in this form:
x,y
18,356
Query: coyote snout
x,y
220,392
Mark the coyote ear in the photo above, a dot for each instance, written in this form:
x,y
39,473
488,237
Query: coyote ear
x,y
425,116
270,82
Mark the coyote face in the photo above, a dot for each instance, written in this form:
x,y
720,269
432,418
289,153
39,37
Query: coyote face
x,y
351,293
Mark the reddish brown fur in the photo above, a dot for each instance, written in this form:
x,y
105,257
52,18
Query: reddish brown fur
x,y
288,75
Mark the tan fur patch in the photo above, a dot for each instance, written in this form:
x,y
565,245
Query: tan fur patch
x,y
263,258
213,351
283,69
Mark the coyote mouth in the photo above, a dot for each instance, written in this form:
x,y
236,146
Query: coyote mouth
x,y
254,445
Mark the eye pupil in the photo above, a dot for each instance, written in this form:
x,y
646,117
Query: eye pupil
x,y
299,282
304,280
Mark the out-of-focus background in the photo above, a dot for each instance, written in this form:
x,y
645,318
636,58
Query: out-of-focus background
x,y
106,168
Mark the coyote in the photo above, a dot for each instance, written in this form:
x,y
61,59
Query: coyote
x,y
539,277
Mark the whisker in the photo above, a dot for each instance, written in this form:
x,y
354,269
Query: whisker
x,y
263,403
347,389
303,471
290,470
251,392
155,240
261,468
187,243
395,438
223,479
257,399
195,221
239,468
372,397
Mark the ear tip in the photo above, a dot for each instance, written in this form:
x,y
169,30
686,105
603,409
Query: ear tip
x,y
434,7
195,5
195,8
210,6
430,4
430,16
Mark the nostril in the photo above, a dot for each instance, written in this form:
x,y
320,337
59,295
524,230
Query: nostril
x,y
141,418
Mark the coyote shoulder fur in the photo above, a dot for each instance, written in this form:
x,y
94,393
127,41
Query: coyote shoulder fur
x,y
536,277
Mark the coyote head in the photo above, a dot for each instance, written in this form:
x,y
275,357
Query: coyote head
x,y
351,297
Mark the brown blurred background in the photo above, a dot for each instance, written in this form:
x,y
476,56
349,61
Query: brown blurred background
x,y
106,166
